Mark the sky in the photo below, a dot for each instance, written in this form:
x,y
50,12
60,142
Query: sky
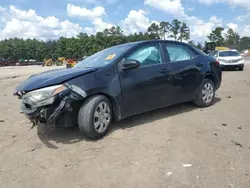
x,y
50,19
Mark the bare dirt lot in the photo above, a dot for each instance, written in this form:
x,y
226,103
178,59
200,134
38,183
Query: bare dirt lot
x,y
147,150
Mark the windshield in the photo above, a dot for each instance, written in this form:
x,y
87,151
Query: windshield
x,y
103,58
229,53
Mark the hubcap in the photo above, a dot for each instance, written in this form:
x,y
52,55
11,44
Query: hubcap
x,y
102,117
207,93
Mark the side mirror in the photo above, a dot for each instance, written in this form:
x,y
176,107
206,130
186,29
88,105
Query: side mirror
x,y
130,64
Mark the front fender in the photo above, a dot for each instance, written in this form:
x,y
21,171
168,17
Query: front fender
x,y
101,83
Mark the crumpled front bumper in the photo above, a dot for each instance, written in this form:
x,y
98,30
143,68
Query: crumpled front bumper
x,y
44,115
63,112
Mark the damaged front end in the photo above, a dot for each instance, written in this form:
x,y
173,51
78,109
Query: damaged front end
x,y
52,106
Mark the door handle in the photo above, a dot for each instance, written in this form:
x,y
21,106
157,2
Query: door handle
x,y
178,77
199,64
165,71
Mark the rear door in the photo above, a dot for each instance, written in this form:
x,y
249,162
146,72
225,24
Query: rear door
x,y
185,66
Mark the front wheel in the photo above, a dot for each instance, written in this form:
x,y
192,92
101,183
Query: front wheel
x,y
206,94
59,63
241,68
95,117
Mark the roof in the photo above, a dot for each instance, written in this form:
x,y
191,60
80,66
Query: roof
x,y
233,50
159,40
146,41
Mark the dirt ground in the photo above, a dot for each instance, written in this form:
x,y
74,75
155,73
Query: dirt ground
x,y
147,150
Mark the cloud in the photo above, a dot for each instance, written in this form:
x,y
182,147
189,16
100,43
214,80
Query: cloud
x,y
199,28
190,9
233,26
240,3
27,24
88,30
94,2
136,21
208,2
173,7
15,22
84,13
215,20
246,30
243,18
94,15
111,1
2,9
100,25
243,30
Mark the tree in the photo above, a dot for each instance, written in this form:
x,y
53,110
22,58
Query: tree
x,y
216,36
154,31
244,43
164,29
184,32
175,29
191,42
118,31
199,46
85,45
106,32
232,37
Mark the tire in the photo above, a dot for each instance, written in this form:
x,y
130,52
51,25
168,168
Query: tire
x,y
90,122
59,63
49,64
201,100
241,68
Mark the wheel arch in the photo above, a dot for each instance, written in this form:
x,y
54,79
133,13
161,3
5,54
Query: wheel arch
x,y
210,77
115,107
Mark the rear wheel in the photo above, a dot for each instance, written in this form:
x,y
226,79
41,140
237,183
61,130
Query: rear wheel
x,y
206,94
95,117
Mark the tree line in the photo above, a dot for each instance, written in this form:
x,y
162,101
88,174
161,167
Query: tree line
x,y
85,45
231,39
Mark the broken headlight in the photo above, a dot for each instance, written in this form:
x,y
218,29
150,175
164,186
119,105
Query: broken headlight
x,y
44,96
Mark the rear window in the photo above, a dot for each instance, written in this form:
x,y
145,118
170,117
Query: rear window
x,y
229,53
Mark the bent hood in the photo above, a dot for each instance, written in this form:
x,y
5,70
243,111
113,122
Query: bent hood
x,y
51,77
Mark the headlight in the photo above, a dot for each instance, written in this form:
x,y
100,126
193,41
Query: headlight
x,y
223,60
44,96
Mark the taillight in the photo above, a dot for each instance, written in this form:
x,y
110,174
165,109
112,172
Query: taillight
x,y
217,62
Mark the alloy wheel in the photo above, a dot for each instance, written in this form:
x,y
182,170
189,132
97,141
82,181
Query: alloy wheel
x,y
102,117
207,93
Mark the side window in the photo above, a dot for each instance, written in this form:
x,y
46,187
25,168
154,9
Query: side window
x,y
178,52
147,55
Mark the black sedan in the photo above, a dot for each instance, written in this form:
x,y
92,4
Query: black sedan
x,y
119,82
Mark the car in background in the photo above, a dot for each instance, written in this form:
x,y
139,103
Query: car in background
x,y
119,82
229,58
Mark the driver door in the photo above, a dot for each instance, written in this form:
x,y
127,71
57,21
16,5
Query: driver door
x,y
146,87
